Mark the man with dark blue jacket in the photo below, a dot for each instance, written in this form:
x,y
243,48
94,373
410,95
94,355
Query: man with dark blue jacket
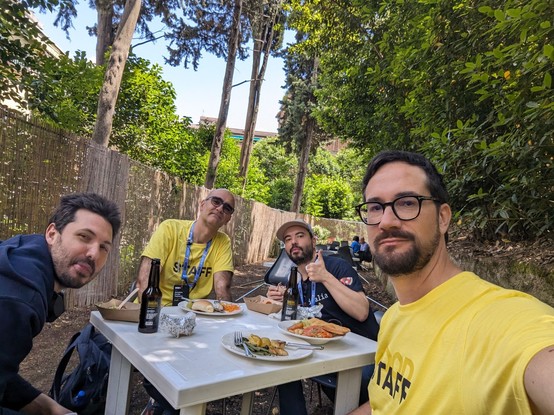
x,y
34,270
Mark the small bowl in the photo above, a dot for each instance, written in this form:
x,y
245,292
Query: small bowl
x,y
129,312
262,304
178,325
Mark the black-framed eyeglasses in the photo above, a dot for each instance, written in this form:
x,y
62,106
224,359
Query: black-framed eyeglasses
x,y
217,202
404,207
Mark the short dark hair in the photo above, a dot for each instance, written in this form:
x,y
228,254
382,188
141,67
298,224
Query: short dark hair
x,y
356,238
69,204
435,181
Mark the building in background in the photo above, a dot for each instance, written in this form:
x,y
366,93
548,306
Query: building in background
x,y
50,48
236,133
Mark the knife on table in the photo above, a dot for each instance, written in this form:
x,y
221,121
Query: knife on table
x,y
303,346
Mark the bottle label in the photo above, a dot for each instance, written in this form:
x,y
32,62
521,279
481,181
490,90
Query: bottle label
x,y
290,310
180,293
151,315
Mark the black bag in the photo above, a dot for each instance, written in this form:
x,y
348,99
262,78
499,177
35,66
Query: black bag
x,y
84,389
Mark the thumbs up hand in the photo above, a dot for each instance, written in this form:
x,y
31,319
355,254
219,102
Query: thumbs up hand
x,y
317,271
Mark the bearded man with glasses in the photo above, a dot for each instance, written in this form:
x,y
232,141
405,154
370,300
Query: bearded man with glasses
x,y
453,343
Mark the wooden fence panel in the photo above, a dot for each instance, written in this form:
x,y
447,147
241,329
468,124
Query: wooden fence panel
x,y
39,164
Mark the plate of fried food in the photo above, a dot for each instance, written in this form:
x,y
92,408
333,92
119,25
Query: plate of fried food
x,y
313,330
268,346
210,307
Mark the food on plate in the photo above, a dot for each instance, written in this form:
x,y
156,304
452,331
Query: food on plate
x,y
264,346
203,305
317,331
315,327
218,306
230,307
213,306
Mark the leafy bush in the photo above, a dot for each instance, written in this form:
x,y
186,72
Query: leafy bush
x,y
328,197
321,233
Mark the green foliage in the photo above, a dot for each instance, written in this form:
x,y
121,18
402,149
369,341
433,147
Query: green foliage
x,y
281,193
332,179
323,163
279,168
66,93
352,166
257,186
274,159
256,182
321,233
470,87
23,47
328,197
146,126
330,189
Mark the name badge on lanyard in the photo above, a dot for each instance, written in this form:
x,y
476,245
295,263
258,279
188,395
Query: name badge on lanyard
x,y
182,291
312,293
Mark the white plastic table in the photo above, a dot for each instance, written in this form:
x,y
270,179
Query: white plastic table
x,y
193,370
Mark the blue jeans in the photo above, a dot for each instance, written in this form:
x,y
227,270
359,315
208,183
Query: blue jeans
x,y
291,399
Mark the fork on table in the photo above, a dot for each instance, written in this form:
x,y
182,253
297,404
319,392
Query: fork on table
x,y
239,341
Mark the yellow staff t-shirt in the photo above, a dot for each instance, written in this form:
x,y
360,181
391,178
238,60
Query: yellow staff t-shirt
x,y
169,243
461,349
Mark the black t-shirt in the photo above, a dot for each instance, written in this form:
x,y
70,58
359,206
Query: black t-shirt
x,y
331,311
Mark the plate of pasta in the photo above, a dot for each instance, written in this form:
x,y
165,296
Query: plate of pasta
x,y
313,330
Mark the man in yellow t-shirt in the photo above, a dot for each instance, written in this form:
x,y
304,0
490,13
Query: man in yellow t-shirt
x,y
453,343
205,264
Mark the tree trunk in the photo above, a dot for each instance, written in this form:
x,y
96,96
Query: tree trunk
x,y
303,165
252,103
114,72
309,130
262,46
104,30
234,39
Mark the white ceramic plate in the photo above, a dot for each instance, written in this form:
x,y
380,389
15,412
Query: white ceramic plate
x,y
228,342
186,306
283,325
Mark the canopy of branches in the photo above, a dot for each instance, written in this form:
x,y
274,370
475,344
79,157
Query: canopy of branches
x,y
471,87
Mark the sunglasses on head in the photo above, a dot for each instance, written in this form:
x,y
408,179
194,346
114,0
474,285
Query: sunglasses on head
x,y
217,202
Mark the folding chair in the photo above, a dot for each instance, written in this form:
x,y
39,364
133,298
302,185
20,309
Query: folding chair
x,y
278,273
280,270
344,253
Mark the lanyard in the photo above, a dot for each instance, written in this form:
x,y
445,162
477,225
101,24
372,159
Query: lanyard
x,y
301,292
184,276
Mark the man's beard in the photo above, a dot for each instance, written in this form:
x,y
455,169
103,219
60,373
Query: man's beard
x,y
62,265
66,280
304,257
414,259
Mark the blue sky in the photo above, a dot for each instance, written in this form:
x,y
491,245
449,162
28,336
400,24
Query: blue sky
x,y
198,93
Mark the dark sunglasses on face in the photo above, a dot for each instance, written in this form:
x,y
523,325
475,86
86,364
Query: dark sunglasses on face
x,y
217,202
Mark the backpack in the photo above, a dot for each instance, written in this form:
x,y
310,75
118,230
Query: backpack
x,y
84,389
